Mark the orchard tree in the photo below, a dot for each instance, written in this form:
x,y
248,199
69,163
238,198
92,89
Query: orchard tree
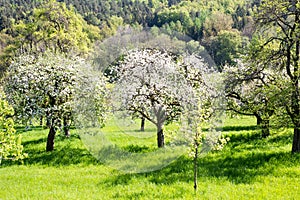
x,y
278,25
49,85
10,142
247,94
151,86
111,51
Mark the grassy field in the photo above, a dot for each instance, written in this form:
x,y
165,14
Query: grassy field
x,y
249,167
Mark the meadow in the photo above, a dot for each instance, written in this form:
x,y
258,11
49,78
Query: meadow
x,y
249,167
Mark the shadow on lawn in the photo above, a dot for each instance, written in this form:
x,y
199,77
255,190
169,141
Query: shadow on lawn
x,y
281,139
240,139
34,142
235,163
67,152
61,157
238,128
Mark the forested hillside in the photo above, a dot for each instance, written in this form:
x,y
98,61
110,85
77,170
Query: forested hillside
x,y
188,16
223,27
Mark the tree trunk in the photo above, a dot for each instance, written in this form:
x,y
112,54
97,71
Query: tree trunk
x,y
258,120
263,125
41,120
142,124
296,140
295,98
160,137
265,128
48,121
195,168
295,118
50,139
66,126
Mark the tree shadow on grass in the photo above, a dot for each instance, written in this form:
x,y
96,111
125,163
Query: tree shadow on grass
x,y
241,162
243,169
238,128
34,142
68,151
249,137
280,139
22,129
61,157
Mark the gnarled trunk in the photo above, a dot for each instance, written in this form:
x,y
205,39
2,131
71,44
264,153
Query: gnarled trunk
x,y
258,120
160,136
296,140
295,118
263,125
41,120
50,139
48,120
54,123
143,124
265,128
66,123
196,167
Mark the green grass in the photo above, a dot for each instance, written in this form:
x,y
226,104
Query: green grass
x,y
249,167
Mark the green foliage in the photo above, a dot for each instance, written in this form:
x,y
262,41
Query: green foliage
x,y
190,14
48,26
10,142
275,56
216,23
226,47
54,26
5,47
197,19
203,18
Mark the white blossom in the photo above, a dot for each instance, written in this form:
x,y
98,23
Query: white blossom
x,y
48,85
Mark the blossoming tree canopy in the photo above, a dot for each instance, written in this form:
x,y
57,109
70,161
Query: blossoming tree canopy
x,y
151,85
47,85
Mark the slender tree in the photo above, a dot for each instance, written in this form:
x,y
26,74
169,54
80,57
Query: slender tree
x,y
204,111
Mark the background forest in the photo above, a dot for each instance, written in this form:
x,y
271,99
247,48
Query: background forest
x,y
223,27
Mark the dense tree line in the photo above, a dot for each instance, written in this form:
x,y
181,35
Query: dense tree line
x,y
204,20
